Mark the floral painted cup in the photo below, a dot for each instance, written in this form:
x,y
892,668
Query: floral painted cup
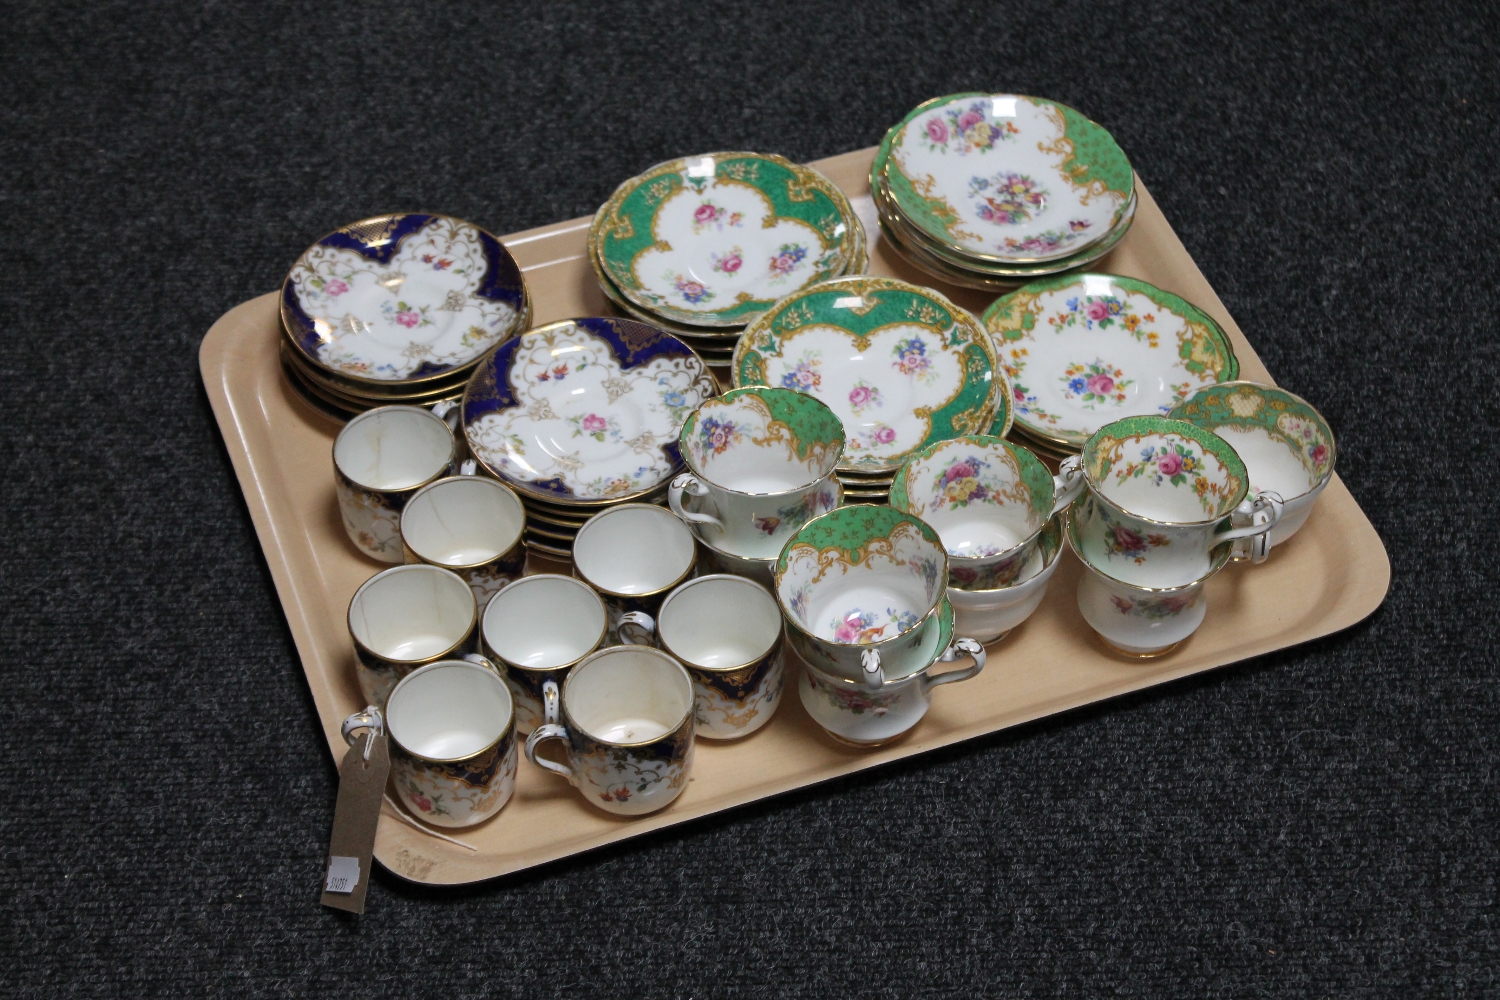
x,y
453,743
380,460
989,613
761,464
627,730
633,555
471,525
852,713
536,629
1286,445
858,587
404,618
1162,496
990,500
1137,621
727,631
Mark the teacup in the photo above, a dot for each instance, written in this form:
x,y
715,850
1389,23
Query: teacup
x,y
858,586
854,714
535,629
1285,444
471,525
1142,622
989,500
989,613
761,464
380,460
712,560
453,742
404,618
633,554
626,726
1162,496
726,631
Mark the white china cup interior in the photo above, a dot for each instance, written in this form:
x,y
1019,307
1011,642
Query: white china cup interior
x,y
448,710
628,694
634,549
719,622
544,621
980,530
393,448
1270,464
412,612
1139,495
756,468
462,521
899,599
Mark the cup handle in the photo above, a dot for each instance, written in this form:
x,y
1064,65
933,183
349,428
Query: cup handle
x,y
689,483
874,676
469,467
548,731
970,646
483,662
551,698
370,719
636,628
1267,505
1068,483
1256,549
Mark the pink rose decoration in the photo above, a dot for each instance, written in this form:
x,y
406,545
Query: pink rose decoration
x,y
962,470
936,130
1127,539
1020,396
705,213
1098,310
1101,385
720,438
408,319
969,119
848,630
691,289
336,287
423,804
732,263
859,395
885,435
594,422
1169,464
1320,454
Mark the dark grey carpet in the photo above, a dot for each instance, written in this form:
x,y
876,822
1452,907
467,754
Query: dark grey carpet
x,y
1316,823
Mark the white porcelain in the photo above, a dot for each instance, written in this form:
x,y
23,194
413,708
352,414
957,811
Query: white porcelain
x,y
471,525
584,411
381,459
726,631
402,298
900,364
856,587
762,571
989,615
1008,177
404,618
535,630
1163,496
626,725
453,743
853,713
987,498
1082,350
633,554
761,464
1287,446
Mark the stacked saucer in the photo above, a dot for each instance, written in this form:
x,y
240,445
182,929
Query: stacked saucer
x,y
1082,350
701,246
992,190
581,415
900,365
397,309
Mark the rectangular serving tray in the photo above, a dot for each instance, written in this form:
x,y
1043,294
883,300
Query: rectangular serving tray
x,y
1332,575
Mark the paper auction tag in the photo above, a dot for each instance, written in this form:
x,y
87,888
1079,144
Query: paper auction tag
x,y
356,814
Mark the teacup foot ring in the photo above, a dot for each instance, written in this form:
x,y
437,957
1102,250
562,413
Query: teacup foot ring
x,y
867,744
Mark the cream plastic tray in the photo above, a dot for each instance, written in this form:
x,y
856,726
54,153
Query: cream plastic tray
x,y
1332,575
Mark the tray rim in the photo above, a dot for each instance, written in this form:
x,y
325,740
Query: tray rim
x,y
256,475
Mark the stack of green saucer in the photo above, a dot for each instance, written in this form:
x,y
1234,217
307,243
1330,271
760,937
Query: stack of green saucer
x,y
703,245
990,191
